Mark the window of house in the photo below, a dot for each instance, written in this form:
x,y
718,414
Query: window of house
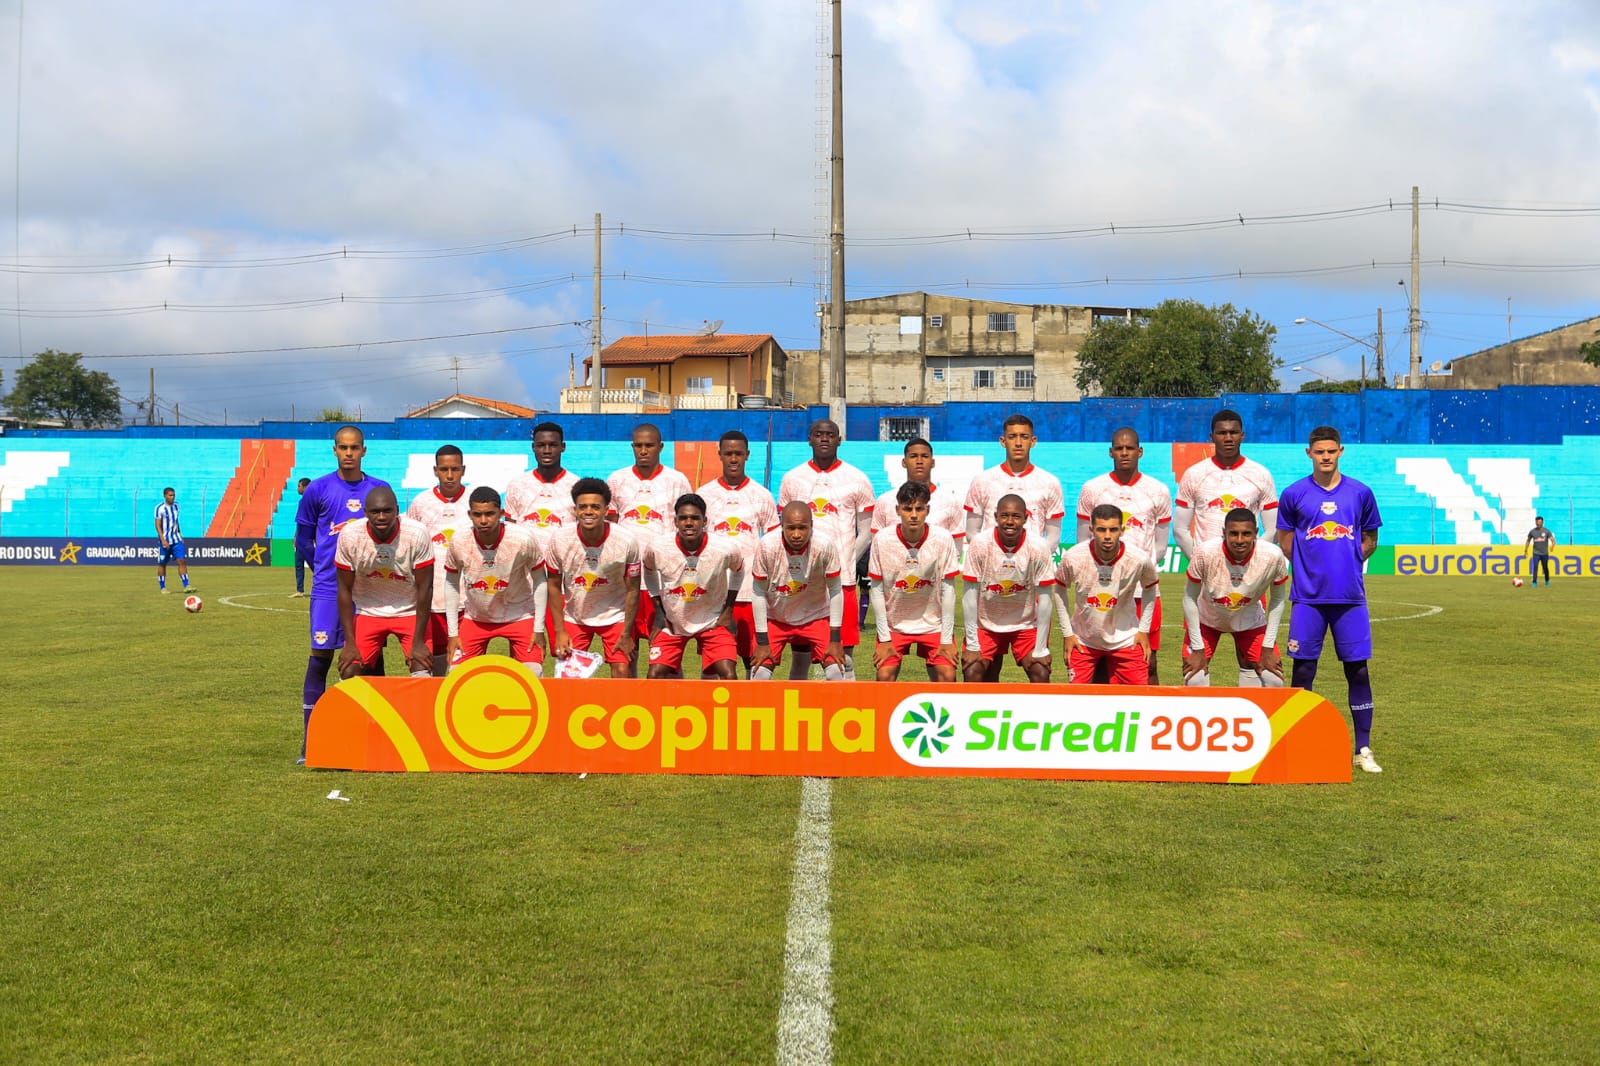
x,y
633,383
936,321
938,373
983,379
1002,321
698,387
1022,379
910,325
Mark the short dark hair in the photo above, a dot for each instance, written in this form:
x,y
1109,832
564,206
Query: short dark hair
x,y
304,482
484,494
1011,496
692,499
1241,514
548,427
353,429
734,434
1324,433
1225,415
1018,419
168,489
651,426
913,492
444,450
913,442
1104,511
591,486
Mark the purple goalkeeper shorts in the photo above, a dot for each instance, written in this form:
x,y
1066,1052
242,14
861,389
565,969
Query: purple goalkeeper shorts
x,y
1352,631
326,632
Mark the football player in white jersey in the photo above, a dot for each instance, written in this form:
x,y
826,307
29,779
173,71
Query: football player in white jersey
x,y
1005,598
1212,487
913,567
385,574
1039,489
542,497
1222,594
693,580
739,511
1108,579
442,510
642,498
945,510
593,586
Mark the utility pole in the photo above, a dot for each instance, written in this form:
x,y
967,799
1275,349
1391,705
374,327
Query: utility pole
x,y
594,362
1381,379
150,413
455,368
836,403
1414,378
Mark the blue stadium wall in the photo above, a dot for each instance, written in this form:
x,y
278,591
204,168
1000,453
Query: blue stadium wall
x,y
1448,467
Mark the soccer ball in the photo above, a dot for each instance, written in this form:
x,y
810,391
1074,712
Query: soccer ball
x,y
1516,582
193,603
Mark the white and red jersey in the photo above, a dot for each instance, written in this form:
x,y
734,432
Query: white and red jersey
x,y
1008,581
386,571
544,506
1212,490
738,517
594,578
442,518
797,582
497,580
836,496
694,587
1230,592
912,576
1040,491
944,512
1105,617
1145,503
644,505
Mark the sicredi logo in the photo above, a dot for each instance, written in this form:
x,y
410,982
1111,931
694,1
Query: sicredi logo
x,y
1220,734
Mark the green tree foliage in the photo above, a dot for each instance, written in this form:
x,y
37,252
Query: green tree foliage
x,y
335,414
56,386
1590,350
1181,348
1353,385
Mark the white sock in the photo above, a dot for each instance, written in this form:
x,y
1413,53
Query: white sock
x,y
1249,679
849,665
761,673
1270,680
833,672
1202,679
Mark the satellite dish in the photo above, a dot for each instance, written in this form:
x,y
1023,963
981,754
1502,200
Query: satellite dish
x,y
1436,367
710,328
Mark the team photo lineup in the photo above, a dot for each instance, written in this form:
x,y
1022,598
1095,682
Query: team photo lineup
x,y
633,568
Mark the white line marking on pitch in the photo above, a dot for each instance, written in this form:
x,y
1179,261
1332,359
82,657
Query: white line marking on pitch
x,y
232,601
805,1017
1428,610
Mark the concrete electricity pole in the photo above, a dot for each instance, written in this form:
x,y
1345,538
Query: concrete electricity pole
x,y
1382,381
836,403
1414,378
594,362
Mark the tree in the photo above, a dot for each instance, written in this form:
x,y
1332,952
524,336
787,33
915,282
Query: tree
x,y
334,414
1181,348
1590,350
56,386
1353,385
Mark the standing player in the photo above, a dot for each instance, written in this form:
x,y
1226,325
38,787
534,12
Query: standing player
x,y
171,538
300,561
693,581
1328,526
441,510
385,575
739,510
945,510
1536,549
329,503
1108,579
642,498
594,581
841,498
1005,597
1146,508
1227,579
497,574
1040,491
797,596
1212,487
912,568
542,497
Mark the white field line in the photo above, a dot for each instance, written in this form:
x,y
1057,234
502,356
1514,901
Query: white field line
x,y
805,1017
1428,610
233,601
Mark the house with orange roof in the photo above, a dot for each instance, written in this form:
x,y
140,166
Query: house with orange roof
x,y
656,374
461,406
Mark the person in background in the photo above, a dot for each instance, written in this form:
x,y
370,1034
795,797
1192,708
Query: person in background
x,y
300,561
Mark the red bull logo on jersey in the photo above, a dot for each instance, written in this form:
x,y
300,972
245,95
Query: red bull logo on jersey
x,y
1131,521
790,588
1100,601
353,506
912,583
544,518
334,528
491,585
588,581
1226,502
1232,601
731,526
1006,588
443,537
820,507
1330,531
643,514
687,591
384,573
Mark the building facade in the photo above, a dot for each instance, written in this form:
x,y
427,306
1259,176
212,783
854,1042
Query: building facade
x,y
1548,358
707,372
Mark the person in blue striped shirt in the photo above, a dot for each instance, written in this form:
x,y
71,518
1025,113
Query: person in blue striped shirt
x,y
171,538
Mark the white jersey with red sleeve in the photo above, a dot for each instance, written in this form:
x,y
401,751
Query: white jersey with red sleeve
x,y
1105,617
1008,581
543,506
945,512
644,505
1230,592
1040,492
1145,503
911,576
385,571
797,582
496,579
836,496
1211,490
694,585
738,517
442,519
594,578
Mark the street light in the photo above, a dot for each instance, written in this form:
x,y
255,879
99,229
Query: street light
x,y
1376,348
1308,370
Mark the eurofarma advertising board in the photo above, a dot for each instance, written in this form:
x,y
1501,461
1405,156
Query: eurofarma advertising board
x,y
494,715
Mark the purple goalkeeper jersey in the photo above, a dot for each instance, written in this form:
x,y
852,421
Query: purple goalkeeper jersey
x,y
1327,525
328,505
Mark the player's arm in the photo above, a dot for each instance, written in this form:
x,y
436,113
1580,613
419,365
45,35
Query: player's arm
x,y
1271,657
1286,542
1147,608
652,588
1194,651
1183,527
539,580
560,641
725,619
863,539
349,655
305,529
1058,592
880,617
452,613
1052,532
1369,543
1081,533
947,617
758,619
974,527
1041,623
835,589
969,620
630,611
421,660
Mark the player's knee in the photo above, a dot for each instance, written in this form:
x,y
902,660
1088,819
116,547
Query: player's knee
x,y
1356,672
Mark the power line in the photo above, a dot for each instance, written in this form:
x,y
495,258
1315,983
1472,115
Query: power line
x,y
331,347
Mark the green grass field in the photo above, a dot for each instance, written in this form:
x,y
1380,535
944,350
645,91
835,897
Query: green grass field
x,y
175,889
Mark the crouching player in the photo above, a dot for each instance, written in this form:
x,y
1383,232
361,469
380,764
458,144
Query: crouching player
x,y
594,581
692,582
1227,579
385,568
1005,597
912,567
796,597
495,577
1106,626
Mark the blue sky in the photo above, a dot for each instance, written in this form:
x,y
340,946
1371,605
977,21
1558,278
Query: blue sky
x,y
234,137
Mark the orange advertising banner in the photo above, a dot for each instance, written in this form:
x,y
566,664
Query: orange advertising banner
x,y
493,714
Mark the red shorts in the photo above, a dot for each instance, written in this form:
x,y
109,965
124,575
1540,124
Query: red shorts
x,y
1155,621
716,645
372,632
438,633
926,643
744,629
610,636
850,627
1021,643
1128,666
812,636
475,638
641,621
1249,641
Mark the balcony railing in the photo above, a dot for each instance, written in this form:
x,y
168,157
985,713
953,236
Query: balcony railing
x,y
580,399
